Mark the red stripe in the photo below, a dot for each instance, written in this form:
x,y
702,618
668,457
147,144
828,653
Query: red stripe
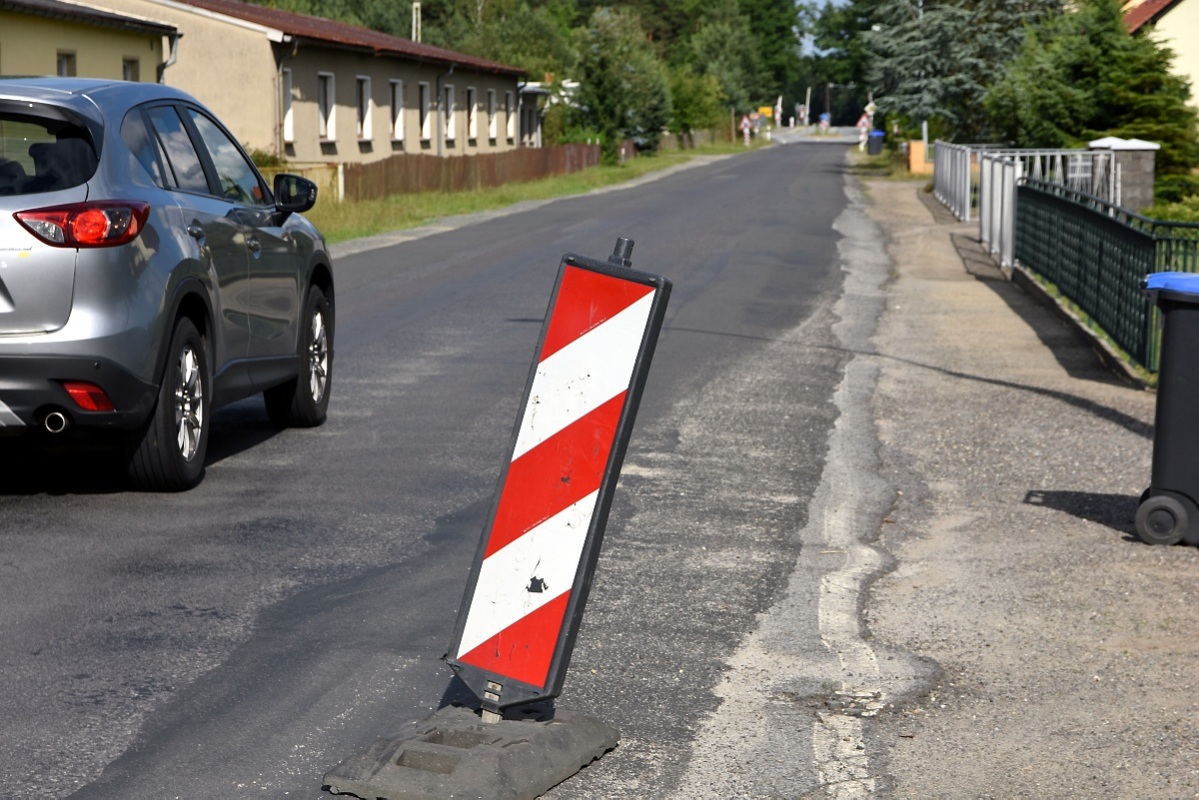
x,y
586,300
555,474
523,651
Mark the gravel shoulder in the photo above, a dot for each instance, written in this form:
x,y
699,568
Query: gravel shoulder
x,y
1060,648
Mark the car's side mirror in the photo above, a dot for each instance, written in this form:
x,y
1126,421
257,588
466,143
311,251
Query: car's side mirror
x,y
293,193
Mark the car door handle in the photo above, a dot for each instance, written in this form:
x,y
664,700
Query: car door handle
x,y
254,245
195,231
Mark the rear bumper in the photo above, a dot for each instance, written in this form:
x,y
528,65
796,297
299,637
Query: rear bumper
x,y
32,387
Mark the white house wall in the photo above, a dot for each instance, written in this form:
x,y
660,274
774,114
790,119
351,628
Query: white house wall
x,y
1178,29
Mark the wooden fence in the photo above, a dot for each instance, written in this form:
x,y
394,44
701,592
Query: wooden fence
x,y
410,174
688,141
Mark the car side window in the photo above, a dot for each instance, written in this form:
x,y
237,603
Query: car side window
x,y
238,178
144,148
182,160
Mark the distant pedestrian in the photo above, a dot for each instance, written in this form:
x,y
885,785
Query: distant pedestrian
x,y
746,127
863,127
824,122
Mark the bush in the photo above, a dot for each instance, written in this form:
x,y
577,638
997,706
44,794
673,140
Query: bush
x,y
1175,188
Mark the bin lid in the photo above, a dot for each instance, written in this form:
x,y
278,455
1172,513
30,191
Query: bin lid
x,y
1176,283
878,133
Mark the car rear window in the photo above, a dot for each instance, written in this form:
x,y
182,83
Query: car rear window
x,y
42,155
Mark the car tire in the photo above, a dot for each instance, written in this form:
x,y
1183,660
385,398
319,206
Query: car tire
x,y
304,401
167,453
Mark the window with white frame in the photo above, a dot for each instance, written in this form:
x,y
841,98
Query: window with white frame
x,y
510,116
397,111
326,105
364,108
131,69
472,113
289,117
491,120
447,107
426,113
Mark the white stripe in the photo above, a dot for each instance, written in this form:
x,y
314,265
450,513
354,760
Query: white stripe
x,y
8,418
583,375
550,552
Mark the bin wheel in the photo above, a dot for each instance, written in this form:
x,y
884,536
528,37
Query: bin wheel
x,y
1161,520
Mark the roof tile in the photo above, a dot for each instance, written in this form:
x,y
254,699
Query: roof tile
x,y
1145,13
344,34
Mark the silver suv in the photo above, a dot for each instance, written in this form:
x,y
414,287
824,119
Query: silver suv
x,y
149,274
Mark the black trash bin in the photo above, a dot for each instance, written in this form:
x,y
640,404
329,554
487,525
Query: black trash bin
x,y
1168,512
874,143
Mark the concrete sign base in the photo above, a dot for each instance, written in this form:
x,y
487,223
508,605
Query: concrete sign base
x,y
455,754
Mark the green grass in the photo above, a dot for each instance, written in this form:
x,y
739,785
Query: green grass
x,y
343,221
889,165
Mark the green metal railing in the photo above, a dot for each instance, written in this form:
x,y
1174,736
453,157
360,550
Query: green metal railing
x,y
1096,254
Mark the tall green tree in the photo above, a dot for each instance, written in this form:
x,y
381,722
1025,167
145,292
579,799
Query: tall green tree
x,y
697,100
934,59
533,36
837,63
623,90
775,26
725,48
1081,76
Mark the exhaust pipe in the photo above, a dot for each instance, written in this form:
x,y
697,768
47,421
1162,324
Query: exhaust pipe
x,y
55,422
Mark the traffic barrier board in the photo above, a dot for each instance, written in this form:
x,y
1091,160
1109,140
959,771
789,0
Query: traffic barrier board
x,y
533,569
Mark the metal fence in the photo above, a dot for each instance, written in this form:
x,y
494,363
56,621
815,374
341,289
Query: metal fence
x,y
1097,253
998,177
1089,171
952,181
960,181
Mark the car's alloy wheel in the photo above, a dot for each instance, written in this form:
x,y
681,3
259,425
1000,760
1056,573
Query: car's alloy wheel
x,y
304,401
318,357
167,453
189,404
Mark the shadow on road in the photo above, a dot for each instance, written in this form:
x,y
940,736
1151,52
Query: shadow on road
x,y
82,462
1116,511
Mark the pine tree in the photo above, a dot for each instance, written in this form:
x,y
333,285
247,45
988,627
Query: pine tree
x,y
1082,77
934,59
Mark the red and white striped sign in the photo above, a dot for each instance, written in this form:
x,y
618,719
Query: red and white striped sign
x,y
550,498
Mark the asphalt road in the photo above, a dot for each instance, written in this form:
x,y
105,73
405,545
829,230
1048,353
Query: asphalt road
x,y
240,639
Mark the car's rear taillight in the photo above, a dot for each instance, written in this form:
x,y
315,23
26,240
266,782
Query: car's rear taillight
x,y
104,223
88,396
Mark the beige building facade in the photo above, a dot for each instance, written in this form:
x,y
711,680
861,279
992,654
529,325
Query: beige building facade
x,y
1175,24
312,90
46,37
